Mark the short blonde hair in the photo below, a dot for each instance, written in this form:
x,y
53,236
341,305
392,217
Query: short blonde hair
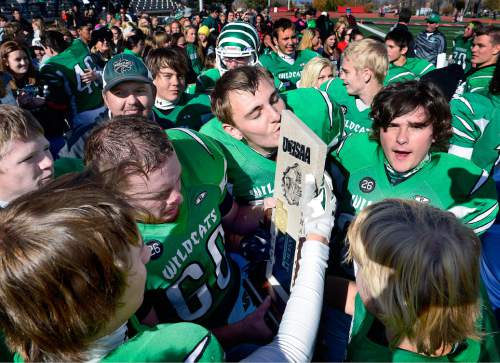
x,y
16,124
312,69
371,54
420,266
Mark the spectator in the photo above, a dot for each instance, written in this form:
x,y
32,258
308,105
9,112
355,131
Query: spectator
x,y
135,45
212,20
194,53
351,20
25,24
430,42
161,40
299,21
117,43
179,40
3,22
330,50
14,32
84,33
310,40
101,47
340,35
316,72
324,24
403,19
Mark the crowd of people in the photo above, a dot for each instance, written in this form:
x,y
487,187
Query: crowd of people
x,y
137,168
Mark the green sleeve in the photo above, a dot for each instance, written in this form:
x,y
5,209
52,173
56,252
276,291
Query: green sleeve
x,y
67,165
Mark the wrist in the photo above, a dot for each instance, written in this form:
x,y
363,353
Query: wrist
x,y
317,237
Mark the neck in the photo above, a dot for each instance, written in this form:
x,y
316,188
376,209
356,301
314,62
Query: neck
x,y
400,61
369,92
486,64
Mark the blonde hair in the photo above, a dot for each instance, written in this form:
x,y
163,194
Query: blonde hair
x,y
16,124
312,69
420,268
306,41
371,54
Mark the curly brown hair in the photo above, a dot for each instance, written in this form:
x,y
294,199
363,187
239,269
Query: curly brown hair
x,y
400,99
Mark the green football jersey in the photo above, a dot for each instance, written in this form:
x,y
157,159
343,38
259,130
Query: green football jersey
x,y
478,81
447,182
189,276
396,74
462,52
181,342
194,58
63,72
250,173
356,113
206,80
362,349
192,111
476,129
288,74
418,66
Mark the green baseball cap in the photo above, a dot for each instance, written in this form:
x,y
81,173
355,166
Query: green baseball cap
x,y
124,68
433,18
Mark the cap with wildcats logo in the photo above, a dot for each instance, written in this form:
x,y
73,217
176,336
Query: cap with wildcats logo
x,y
124,68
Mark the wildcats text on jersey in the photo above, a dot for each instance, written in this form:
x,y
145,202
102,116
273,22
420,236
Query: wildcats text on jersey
x,y
355,127
188,246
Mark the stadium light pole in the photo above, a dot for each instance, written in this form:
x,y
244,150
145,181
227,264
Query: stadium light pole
x,y
200,6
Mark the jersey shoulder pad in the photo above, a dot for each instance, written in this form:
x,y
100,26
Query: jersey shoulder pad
x,y
317,111
200,156
181,342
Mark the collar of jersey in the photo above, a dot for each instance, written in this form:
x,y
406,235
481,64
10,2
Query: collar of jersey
x,y
164,104
101,347
360,105
290,59
396,177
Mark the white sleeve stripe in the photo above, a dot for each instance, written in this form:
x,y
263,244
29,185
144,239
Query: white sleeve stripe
x,y
328,85
329,105
476,89
467,103
482,180
482,123
465,123
198,351
196,138
426,68
463,152
483,228
462,134
483,215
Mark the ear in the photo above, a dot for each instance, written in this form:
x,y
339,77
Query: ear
x,y
233,131
366,74
496,49
404,50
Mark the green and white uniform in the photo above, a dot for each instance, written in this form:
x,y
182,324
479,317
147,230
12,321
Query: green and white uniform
x,y
194,58
478,81
191,111
250,173
418,66
63,72
462,52
181,342
189,276
476,129
396,74
287,69
206,80
445,181
356,113
363,349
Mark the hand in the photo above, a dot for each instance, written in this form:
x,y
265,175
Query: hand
x,y
318,210
255,324
89,76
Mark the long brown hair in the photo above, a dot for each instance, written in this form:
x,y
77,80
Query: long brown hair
x,y
7,48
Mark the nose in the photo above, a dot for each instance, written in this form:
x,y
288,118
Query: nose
x,y
46,162
402,136
175,197
274,113
174,80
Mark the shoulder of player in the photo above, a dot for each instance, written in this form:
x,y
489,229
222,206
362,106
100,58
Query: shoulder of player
x,y
357,148
169,342
307,54
462,171
193,143
268,58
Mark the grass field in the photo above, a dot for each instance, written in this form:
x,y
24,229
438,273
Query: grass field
x,y
449,32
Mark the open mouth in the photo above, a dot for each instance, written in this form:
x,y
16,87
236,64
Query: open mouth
x,y
401,155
